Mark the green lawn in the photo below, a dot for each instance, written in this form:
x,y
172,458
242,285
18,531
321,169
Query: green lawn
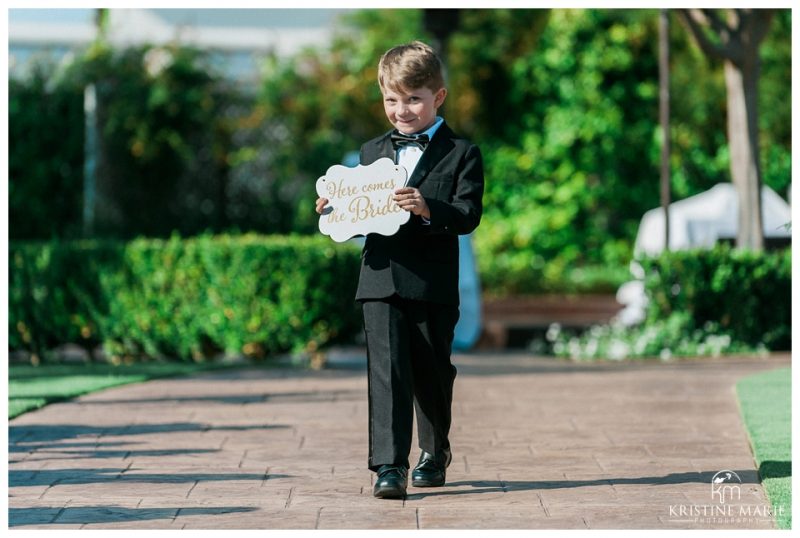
x,y
32,387
765,401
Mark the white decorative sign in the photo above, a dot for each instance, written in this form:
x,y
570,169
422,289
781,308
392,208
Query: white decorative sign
x,y
360,200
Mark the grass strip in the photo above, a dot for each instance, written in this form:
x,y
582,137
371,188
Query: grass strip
x,y
32,387
765,402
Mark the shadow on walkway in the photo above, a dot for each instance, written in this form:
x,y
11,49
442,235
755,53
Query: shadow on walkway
x,y
46,477
241,399
504,486
42,433
108,514
100,454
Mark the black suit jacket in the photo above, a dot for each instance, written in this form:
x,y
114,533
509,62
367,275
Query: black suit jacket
x,y
421,261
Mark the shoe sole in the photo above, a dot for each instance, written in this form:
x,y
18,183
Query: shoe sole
x,y
389,494
427,483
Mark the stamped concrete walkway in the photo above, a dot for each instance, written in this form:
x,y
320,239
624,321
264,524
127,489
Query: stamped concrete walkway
x,y
538,443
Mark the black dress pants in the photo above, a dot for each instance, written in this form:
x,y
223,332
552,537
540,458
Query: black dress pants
x,y
408,364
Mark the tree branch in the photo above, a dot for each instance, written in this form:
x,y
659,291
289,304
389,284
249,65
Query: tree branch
x,y
696,29
716,23
696,20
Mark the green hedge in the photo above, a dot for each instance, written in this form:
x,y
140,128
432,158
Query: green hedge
x,y
747,294
183,298
701,302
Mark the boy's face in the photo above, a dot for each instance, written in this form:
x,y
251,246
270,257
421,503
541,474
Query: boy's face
x,y
414,111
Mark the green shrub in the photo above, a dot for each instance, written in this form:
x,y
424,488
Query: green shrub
x,y
183,298
55,294
748,294
701,302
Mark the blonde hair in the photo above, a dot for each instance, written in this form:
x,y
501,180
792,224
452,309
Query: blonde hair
x,y
410,67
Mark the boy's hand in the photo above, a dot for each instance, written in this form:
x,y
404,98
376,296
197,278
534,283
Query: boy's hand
x,y
412,200
321,203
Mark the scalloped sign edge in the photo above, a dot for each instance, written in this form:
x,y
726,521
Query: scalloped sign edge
x,y
359,200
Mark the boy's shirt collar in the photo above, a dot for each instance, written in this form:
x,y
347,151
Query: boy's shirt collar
x,y
430,131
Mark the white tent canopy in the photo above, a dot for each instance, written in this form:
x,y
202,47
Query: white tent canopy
x,y
702,220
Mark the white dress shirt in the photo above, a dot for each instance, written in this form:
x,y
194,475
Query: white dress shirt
x,y
408,156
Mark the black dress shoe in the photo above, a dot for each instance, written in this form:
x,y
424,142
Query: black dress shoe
x,y
431,469
391,482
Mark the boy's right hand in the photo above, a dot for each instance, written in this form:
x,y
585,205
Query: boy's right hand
x,y
321,203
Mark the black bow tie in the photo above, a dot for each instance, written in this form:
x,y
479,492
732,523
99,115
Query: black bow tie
x,y
400,140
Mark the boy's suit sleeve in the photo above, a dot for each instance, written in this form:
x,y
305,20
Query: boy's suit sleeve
x,y
462,214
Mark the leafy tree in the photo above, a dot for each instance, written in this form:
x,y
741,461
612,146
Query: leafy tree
x,y
484,96
164,134
775,103
569,192
45,161
572,163
158,114
700,156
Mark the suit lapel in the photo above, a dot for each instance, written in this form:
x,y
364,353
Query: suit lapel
x,y
439,146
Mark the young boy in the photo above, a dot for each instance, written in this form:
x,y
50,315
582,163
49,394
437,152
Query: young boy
x,y
408,286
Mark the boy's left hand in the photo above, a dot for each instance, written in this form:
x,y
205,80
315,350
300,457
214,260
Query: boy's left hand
x,y
411,199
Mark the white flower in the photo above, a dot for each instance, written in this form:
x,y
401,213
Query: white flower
x,y
591,348
574,348
618,350
553,331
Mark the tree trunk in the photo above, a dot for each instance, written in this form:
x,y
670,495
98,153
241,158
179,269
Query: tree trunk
x,y
663,98
742,88
737,43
